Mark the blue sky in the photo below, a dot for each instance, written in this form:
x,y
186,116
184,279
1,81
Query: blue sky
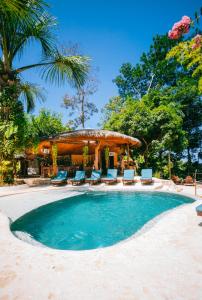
x,y
110,32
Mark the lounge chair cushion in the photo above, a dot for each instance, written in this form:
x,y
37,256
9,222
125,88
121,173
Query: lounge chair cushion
x,y
62,175
80,175
112,173
95,175
146,174
128,175
199,208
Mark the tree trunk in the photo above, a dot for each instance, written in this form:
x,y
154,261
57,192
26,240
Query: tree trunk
x,y
169,165
161,163
82,111
146,152
189,160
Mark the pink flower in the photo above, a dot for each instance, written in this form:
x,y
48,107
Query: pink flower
x,y
198,38
180,28
176,26
186,20
197,41
174,35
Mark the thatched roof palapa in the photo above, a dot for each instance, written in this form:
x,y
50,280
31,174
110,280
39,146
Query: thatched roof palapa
x,y
96,135
72,142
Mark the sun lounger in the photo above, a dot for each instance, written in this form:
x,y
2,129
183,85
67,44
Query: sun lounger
x,y
146,176
111,176
79,178
128,176
199,210
95,177
61,178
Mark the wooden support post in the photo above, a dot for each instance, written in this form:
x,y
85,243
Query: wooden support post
x,y
128,154
96,162
54,154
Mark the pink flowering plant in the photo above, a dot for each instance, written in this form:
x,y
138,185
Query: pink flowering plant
x,y
188,52
197,41
180,28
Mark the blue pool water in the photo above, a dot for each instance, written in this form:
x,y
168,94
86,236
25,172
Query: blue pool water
x,y
95,219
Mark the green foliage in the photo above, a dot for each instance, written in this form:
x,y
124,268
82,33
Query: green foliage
x,y
8,135
185,94
85,155
153,71
54,154
160,103
6,172
12,120
29,93
45,124
21,8
12,127
190,57
159,127
113,106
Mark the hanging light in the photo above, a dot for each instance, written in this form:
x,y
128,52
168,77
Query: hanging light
x,y
46,150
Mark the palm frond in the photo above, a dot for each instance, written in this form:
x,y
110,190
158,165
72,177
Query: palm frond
x,y
16,35
58,69
18,31
21,7
42,32
66,68
30,93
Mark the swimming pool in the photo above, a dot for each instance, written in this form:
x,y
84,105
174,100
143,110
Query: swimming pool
x,y
95,219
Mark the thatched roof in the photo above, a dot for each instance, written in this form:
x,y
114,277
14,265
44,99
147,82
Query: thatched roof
x,y
97,135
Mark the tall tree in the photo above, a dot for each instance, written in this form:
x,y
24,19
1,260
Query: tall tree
x,y
159,127
80,103
185,94
114,105
153,71
166,81
45,124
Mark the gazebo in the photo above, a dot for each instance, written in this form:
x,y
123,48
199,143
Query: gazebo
x,y
86,148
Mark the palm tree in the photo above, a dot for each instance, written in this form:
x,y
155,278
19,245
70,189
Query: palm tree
x,y
17,32
20,6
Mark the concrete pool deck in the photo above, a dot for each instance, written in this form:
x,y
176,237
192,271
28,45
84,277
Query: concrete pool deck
x,y
164,262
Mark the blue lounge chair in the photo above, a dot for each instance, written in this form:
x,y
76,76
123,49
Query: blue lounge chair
x,y
111,176
146,176
128,176
61,178
199,210
79,178
95,177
